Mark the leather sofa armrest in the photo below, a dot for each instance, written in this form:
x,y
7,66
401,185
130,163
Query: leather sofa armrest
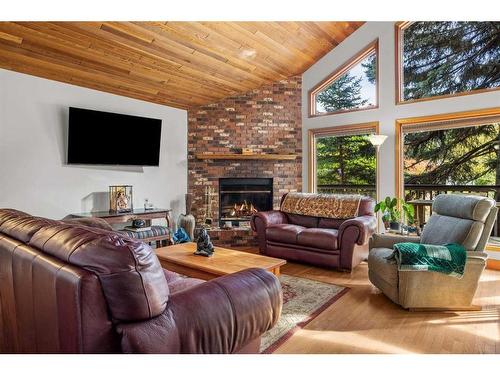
x,y
366,225
388,241
219,316
261,220
267,218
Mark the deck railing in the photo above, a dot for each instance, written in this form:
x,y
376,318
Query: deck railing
x,y
423,192
369,190
429,192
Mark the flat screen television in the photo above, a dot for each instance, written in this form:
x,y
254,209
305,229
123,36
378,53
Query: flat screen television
x,y
106,138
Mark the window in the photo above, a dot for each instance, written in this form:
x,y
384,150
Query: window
x,y
342,160
351,87
439,59
454,153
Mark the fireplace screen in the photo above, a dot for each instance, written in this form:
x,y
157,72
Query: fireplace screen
x,y
239,198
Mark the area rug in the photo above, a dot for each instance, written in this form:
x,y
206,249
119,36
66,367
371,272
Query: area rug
x,y
303,300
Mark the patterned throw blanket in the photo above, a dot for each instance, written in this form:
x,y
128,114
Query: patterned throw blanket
x,y
333,206
448,259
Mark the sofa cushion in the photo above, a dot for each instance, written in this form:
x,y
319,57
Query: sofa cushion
x,y
286,233
129,271
319,237
155,231
366,206
21,226
94,222
303,221
463,206
330,223
441,230
178,283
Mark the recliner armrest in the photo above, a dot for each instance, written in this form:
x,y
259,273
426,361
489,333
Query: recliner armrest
x,y
219,316
476,256
388,241
366,224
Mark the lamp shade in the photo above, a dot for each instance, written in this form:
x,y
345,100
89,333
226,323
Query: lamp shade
x,y
377,139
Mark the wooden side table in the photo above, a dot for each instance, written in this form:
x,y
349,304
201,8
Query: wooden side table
x,y
419,206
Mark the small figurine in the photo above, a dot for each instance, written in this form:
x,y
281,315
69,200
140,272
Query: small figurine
x,y
203,244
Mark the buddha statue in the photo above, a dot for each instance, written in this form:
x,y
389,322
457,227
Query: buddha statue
x,y
204,246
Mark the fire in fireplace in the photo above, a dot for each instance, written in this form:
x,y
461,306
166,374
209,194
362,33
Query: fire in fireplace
x,y
239,198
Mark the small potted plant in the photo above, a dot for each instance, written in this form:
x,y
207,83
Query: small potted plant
x,y
391,213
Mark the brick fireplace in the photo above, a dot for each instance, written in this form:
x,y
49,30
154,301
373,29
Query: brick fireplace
x,y
240,198
266,120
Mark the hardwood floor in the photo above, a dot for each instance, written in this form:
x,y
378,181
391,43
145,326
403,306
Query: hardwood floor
x,y
365,321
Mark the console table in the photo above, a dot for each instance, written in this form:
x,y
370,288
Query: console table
x,y
147,215
123,217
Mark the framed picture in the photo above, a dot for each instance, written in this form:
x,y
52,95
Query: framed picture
x,y
120,198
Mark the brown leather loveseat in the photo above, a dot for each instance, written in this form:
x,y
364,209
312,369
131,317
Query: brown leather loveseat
x,y
67,288
327,242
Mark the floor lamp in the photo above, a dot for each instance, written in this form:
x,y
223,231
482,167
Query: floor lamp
x,y
377,140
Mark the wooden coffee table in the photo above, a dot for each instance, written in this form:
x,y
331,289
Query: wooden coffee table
x,y
180,258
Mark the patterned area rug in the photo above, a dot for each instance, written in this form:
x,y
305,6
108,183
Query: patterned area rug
x,y
303,300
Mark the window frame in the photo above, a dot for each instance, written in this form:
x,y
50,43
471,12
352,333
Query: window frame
x,y
368,127
403,123
357,58
399,28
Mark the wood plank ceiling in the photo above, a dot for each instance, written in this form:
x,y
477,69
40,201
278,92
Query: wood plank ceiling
x,y
180,64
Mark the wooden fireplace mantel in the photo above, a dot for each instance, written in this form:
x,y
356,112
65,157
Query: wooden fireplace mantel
x,y
229,156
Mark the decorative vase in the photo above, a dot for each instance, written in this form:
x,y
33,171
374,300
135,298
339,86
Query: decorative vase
x,y
187,221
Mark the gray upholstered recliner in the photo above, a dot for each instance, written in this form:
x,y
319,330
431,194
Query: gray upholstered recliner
x,y
462,219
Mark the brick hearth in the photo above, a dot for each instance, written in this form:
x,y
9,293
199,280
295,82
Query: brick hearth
x,y
268,120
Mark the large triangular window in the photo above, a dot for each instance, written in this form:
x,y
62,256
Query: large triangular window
x,y
354,86
446,58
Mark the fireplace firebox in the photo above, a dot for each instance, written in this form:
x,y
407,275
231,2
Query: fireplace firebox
x,y
239,198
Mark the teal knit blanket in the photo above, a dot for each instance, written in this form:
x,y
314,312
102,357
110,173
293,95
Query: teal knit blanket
x,y
448,259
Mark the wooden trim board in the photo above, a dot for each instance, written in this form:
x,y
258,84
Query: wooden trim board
x,y
227,156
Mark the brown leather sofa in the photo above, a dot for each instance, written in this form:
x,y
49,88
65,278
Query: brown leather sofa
x,y
68,288
324,242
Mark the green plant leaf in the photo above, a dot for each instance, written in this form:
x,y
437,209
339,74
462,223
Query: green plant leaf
x,y
394,202
388,202
410,208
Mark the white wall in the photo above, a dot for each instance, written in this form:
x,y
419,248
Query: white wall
x,y
388,111
33,130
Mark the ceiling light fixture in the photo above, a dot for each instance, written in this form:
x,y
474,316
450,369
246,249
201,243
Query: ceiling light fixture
x,y
248,53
